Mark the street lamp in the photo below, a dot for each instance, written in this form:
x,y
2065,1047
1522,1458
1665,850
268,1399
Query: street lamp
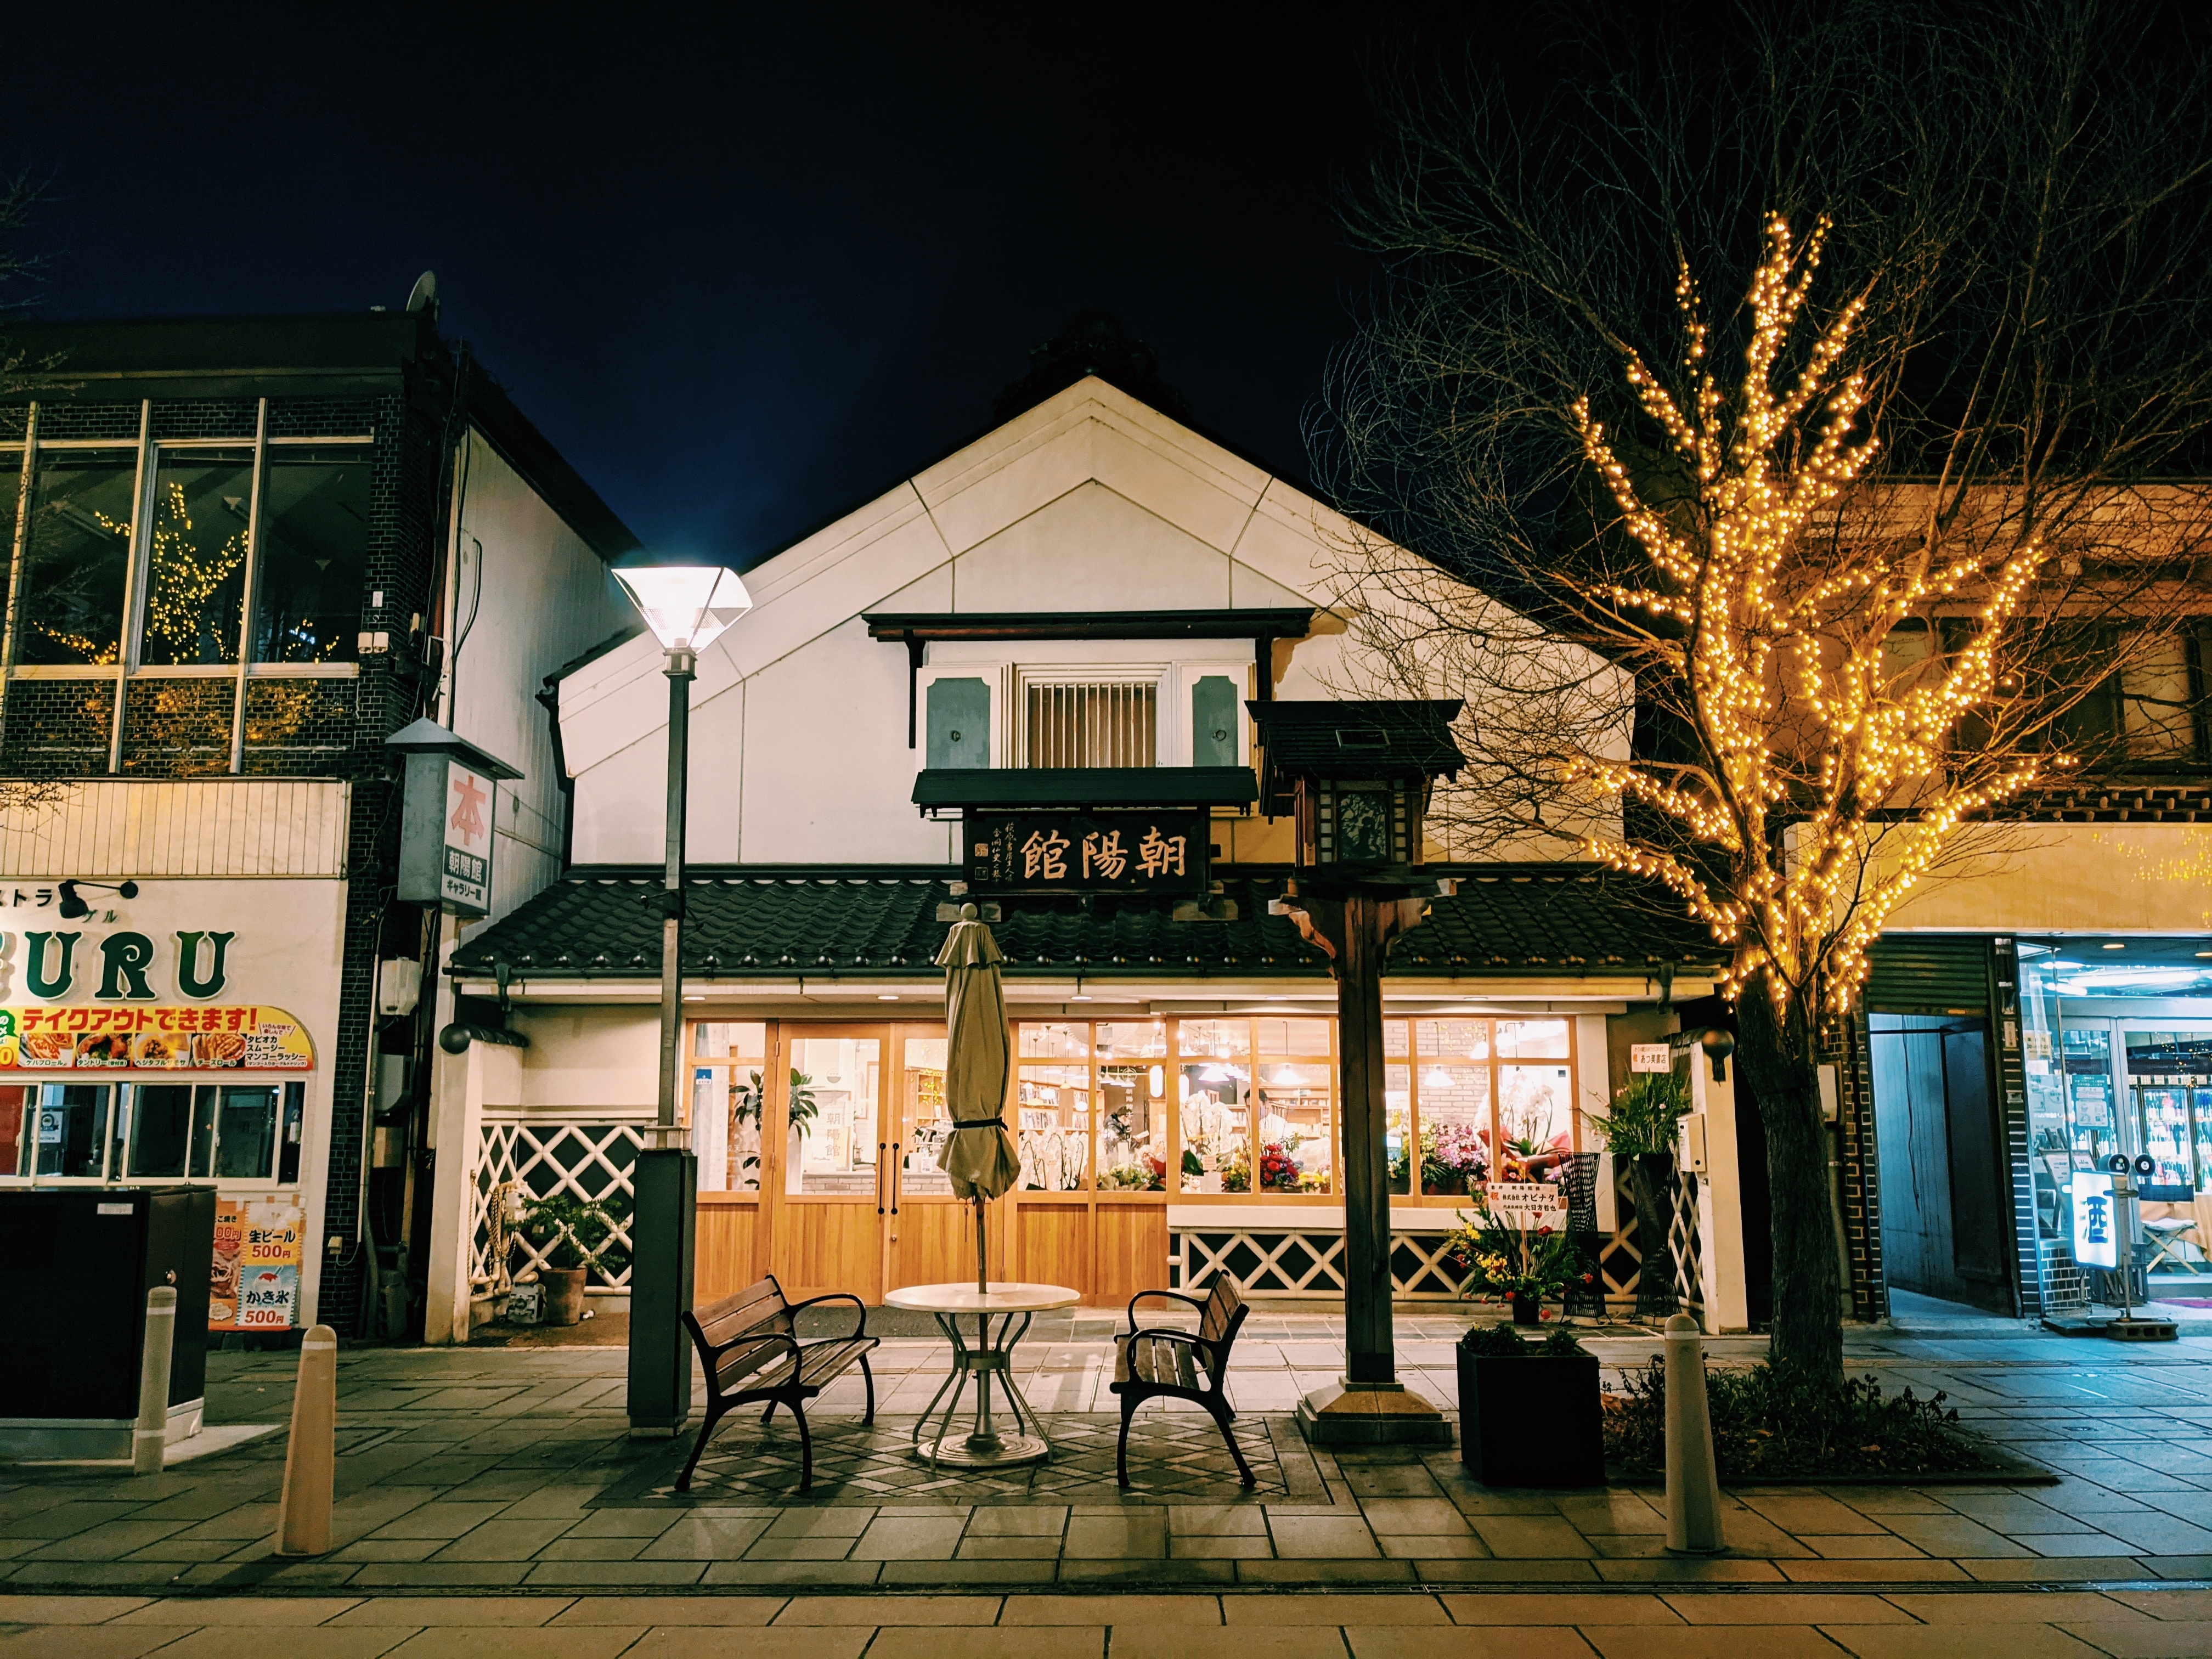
x,y
687,606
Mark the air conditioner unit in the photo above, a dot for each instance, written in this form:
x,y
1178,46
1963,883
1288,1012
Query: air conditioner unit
x,y
398,985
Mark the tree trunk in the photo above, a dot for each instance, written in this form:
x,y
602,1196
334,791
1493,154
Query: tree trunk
x,y
1774,1050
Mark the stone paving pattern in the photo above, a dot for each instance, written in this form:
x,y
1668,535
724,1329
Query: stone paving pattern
x,y
494,1469
1551,1624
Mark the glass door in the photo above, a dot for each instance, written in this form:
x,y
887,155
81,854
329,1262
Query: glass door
x,y
931,1238
835,1199
2168,1078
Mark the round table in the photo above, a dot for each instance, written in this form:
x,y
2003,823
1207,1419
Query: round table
x,y
984,1446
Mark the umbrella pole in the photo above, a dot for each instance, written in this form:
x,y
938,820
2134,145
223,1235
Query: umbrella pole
x,y
982,1274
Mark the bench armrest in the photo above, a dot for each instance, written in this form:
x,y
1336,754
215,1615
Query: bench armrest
x,y
859,1308
1175,1294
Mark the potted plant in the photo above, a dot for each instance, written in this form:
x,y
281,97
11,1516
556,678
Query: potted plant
x,y
1528,1413
800,1111
1525,1267
572,1235
1640,1126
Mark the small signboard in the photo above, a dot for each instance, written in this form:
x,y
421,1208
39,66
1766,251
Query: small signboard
x,y
2096,1226
1526,1204
1162,852
1650,1057
254,1280
465,873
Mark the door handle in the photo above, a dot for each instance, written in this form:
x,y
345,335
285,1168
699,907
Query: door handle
x,y
898,1175
880,1178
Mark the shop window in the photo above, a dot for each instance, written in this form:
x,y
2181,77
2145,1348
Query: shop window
x,y
1470,1101
726,1060
1213,1082
1453,1076
1213,716
1132,1105
161,1132
926,1117
2158,712
1099,722
314,556
66,1130
959,723
245,1133
196,558
70,598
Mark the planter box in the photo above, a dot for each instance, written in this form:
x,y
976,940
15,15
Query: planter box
x,y
1531,1421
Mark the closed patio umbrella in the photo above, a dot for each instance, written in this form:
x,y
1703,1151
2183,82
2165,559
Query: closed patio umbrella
x,y
979,1157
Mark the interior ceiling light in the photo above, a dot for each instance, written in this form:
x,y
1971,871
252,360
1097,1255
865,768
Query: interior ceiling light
x,y
887,996
1438,1078
2114,944
2204,956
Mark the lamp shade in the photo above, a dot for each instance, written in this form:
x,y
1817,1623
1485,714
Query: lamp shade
x,y
687,606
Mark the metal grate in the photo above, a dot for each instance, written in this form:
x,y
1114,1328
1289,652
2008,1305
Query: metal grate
x,y
1102,723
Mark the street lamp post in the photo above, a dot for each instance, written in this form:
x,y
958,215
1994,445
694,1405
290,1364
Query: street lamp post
x,y
687,607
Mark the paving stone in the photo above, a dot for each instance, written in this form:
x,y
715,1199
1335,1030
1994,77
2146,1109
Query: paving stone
x,y
973,1548
701,1538
1127,1535
1166,1641
941,1575
966,1610
1020,1643
1497,1642
1339,1572
1305,1537
1436,1515
1534,1536
237,1610
500,1539
678,1642
1151,1573
846,1524
794,1573
895,1538
1217,1521
1009,1521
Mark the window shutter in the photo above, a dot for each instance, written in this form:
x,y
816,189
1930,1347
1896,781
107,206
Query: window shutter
x,y
1213,722
959,723
1928,974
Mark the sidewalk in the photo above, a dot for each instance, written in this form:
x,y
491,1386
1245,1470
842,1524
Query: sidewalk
x,y
474,1470
1634,1625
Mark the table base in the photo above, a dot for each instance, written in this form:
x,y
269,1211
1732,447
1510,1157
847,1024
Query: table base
x,y
1012,1452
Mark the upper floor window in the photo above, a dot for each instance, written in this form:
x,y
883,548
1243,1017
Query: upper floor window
x,y
1092,720
982,713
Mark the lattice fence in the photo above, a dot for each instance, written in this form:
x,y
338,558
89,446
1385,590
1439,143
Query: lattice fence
x,y
1273,1262
518,1160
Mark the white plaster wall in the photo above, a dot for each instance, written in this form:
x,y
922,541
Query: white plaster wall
x,y
541,597
585,1058
1090,501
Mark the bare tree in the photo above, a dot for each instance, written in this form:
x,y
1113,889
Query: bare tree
x,y
1864,538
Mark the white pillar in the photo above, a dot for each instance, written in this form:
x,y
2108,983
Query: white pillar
x,y
1720,1196
1593,1095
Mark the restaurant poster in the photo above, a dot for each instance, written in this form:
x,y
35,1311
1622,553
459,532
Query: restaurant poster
x,y
258,1245
231,1037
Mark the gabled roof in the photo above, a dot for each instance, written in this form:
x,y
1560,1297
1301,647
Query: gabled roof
x,y
772,923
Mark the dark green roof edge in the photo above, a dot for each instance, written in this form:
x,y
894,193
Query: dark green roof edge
x,y
879,921
1258,621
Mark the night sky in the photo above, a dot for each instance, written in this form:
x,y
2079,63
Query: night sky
x,y
744,271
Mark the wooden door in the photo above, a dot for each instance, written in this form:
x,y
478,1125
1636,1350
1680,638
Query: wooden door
x,y
832,1192
931,1238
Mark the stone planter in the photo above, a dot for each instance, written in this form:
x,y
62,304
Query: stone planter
x,y
564,1294
1530,1420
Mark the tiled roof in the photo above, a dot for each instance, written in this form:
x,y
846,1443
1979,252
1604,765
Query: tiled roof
x,y
771,922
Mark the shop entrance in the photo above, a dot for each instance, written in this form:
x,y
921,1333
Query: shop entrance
x,y
858,1203
1943,1196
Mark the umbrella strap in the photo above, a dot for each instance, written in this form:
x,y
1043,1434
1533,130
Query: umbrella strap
x,y
981,1123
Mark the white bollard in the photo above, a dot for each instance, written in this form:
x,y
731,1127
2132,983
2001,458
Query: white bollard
x,y
303,1519
150,1437
1693,1489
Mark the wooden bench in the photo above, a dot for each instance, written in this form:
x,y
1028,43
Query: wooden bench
x,y
1161,1363
750,1345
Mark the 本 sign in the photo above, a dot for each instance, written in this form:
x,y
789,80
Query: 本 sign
x,y
1137,851
2096,1225
1650,1057
1526,1204
464,874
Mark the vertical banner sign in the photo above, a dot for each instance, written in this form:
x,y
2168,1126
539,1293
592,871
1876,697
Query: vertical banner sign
x,y
2096,1230
464,875
254,1285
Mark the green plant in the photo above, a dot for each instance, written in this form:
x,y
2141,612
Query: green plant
x,y
568,1231
1643,1116
1772,1422
1509,1261
1560,1343
803,1106
1493,1342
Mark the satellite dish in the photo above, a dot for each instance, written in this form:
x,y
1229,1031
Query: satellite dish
x,y
425,291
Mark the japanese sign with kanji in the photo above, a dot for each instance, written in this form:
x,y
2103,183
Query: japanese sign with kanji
x,y
138,1038
1117,852
464,875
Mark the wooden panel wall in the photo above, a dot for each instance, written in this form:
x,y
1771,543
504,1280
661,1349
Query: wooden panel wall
x,y
824,1247
935,1244
728,1252
1131,1253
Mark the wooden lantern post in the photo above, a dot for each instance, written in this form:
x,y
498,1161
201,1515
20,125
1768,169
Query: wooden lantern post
x,y
1355,778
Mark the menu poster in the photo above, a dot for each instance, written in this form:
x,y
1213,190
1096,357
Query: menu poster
x,y
255,1282
139,1038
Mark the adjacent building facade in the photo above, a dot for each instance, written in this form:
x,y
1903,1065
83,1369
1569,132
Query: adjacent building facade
x,y
242,554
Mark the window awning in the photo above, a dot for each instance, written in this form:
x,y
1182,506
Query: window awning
x,y
1085,785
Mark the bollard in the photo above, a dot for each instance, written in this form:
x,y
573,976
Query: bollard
x,y
303,1519
1694,1490
149,1438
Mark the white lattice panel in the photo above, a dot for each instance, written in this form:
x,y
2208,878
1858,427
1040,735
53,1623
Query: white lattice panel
x,y
590,1162
1276,1263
